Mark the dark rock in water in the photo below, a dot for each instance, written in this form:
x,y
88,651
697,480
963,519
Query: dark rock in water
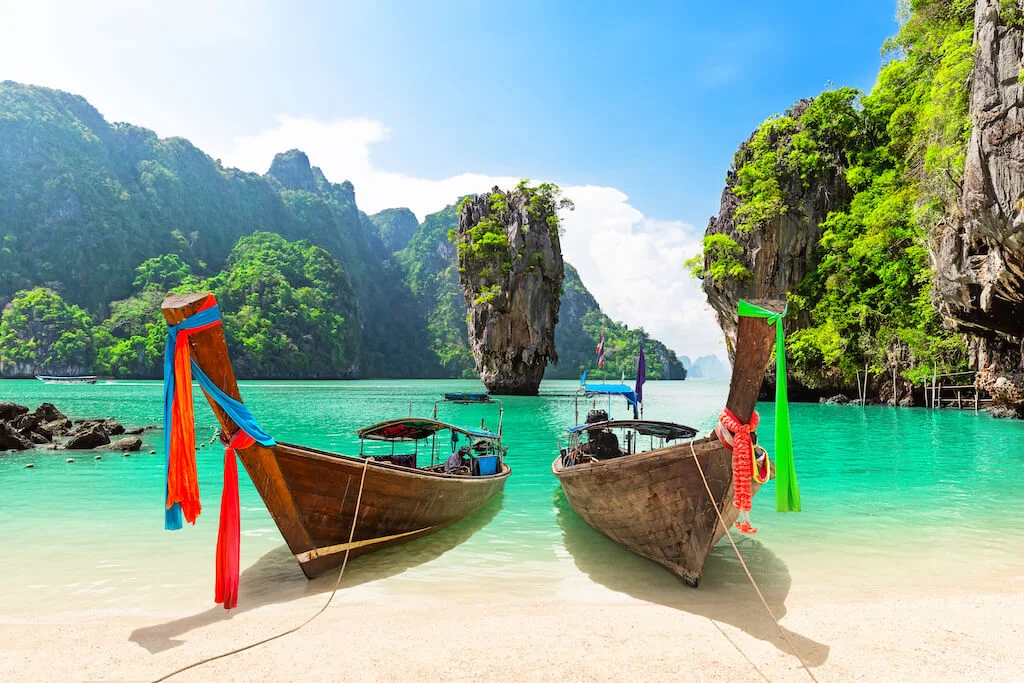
x,y
135,430
24,422
90,438
10,440
48,412
109,426
128,443
36,438
112,427
60,427
837,400
1005,412
511,270
43,431
9,411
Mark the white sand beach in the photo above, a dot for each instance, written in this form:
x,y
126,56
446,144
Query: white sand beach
x,y
574,629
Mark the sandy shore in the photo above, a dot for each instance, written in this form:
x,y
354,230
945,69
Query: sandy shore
x,y
576,631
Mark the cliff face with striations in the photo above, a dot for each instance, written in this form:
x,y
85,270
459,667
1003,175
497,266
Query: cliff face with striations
x,y
511,270
835,204
979,254
774,248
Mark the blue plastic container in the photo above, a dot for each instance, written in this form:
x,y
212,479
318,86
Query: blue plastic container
x,y
487,465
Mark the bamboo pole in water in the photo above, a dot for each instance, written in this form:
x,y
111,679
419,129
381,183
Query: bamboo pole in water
x,y
864,401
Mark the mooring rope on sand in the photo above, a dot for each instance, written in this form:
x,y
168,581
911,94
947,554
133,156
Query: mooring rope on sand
x,y
351,536
721,520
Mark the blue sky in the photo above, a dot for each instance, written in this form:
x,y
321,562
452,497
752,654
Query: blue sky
x,y
638,107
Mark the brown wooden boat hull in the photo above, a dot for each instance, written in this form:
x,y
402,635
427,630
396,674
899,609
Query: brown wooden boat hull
x,y
655,503
312,496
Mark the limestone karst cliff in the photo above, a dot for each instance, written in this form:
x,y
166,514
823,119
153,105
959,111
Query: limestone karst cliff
x,y
511,269
768,250
846,204
979,251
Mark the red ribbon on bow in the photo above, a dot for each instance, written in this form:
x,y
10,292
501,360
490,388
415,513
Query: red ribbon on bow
x,y
229,533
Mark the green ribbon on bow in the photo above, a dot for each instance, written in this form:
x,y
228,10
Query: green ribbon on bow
x,y
787,493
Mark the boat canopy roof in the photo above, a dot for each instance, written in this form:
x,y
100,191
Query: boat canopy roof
x,y
417,428
468,398
622,390
664,430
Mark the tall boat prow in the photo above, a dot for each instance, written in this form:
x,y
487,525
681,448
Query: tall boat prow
x,y
656,503
312,494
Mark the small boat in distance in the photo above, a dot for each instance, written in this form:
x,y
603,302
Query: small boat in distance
x,y
655,502
77,379
312,494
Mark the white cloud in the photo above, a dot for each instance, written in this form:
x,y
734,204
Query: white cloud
x,y
631,263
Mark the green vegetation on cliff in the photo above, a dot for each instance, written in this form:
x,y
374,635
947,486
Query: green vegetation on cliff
x,y
100,220
900,150
38,329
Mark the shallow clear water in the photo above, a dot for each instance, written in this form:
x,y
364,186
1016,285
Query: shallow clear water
x,y
894,500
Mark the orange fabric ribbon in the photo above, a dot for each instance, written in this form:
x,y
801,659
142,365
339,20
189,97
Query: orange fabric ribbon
x,y
182,478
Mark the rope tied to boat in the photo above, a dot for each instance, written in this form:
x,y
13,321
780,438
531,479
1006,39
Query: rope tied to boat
x,y
746,569
182,487
741,444
282,634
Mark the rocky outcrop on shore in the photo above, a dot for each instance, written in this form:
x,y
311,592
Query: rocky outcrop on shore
x,y
511,270
979,253
47,427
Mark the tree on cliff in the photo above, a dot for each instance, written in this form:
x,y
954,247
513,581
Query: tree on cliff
x,y
511,269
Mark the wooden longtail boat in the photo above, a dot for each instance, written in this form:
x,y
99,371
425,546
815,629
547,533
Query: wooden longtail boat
x,y
77,379
312,494
654,503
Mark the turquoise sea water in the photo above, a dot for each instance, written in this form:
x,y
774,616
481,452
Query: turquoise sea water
x,y
895,500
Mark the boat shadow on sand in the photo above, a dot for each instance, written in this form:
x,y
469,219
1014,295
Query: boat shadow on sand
x,y
620,570
276,578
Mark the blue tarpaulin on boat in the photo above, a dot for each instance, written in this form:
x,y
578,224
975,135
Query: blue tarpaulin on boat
x,y
622,390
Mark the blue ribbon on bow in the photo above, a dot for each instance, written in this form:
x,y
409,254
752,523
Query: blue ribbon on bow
x,y
236,410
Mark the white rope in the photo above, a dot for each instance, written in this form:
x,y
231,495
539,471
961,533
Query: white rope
x,y
753,583
351,535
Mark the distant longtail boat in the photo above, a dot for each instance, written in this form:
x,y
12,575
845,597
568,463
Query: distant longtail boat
x,y
656,502
77,379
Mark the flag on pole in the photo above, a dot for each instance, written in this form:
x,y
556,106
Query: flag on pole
x,y
600,351
641,375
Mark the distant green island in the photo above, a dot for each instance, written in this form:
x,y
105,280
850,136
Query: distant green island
x,y
98,221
